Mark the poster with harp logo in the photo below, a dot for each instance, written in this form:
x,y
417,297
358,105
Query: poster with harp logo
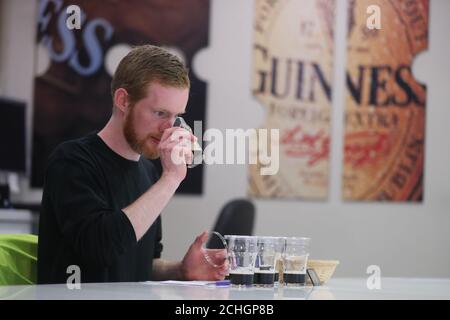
x,y
292,80
385,105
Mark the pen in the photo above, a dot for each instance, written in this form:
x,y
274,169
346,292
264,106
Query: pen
x,y
222,283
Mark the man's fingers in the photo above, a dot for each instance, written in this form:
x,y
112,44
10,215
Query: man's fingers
x,y
180,153
179,140
176,133
201,239
189,158
182,134
169,145
169,131
225,267
221,253
166,134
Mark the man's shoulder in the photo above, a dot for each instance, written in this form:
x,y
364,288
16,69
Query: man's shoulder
x,y
77,149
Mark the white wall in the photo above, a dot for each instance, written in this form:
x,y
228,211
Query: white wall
x,y
403,239
17,38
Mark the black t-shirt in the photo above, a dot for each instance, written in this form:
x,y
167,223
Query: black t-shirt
x,y
81,221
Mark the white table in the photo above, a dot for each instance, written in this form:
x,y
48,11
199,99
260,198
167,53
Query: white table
x,y
339,288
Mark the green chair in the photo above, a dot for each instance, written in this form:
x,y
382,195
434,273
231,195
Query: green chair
x,y
18,259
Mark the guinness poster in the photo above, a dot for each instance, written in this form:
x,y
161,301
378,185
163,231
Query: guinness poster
x,y
292,74
385,105
73,70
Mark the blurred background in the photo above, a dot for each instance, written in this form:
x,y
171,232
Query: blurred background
x,y
53,101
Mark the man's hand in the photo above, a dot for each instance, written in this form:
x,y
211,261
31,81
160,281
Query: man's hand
x,y
144,211
175,152
195,267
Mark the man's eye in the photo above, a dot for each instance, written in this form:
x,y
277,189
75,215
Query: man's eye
x,y
160,114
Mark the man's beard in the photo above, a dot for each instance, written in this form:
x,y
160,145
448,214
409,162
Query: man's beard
x,y
138,145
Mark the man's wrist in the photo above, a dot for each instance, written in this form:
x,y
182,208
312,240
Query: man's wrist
x,y
167,270
171,180
181,271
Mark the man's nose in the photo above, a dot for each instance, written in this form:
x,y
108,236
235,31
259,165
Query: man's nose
x,y
167,124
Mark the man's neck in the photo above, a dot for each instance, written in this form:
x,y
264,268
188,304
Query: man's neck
x,y
112,135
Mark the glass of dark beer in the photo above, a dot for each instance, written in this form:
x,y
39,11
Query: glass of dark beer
x,y
295,260
265,262
242,252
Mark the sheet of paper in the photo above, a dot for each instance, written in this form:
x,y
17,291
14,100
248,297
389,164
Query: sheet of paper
x,y
180,283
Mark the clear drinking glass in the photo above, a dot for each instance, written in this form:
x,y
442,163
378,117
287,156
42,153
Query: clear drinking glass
x,y
265,261
295,260
215,250
242,252
279,269
197,151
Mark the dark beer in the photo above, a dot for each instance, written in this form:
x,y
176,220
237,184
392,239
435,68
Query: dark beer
x,y
294,278
241,279
264,277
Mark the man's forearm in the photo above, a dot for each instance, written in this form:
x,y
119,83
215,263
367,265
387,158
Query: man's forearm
x,y
144,211
166,270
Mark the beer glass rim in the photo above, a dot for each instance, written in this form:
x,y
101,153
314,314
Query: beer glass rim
x,y
229,236
298,239
268,238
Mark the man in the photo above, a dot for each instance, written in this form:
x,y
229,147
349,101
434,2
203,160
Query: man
x,y
102,198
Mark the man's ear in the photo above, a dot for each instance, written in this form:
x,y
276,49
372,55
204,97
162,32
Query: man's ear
x,y
121,100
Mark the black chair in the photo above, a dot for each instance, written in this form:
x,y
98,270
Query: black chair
x,y
237,217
